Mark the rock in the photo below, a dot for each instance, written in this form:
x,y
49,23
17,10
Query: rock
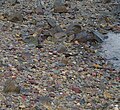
x,y
1,18
60,35
15,17
39,7
42,37
65,60
98,36
59,3
60,9
73,28
59,6
59,64
38,10
45,99
61,49
82,37
82,101
32,41
76,89
12,2
51,22
56,29
10,86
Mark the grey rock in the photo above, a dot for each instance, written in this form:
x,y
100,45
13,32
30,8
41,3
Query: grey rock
x,y
45,99
98,36
56,29
39,7
59,3
32,41
82,101
51,22
61,48
60,35
82,37
73,28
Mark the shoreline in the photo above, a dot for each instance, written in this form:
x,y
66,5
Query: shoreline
x,y
40,68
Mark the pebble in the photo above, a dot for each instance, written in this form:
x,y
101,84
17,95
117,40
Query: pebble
x,y
15,17
60,9
61,48
10,86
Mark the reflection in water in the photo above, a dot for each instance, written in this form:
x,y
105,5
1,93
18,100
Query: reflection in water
x,y
111,49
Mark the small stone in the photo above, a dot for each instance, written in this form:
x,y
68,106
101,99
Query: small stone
x,y
59,35
82,101
59,3
73,28
61,49
60,9
56,29
38,10
39,7
10,86
82,37
15,17
51,22
22,107
76,89
98,36
32,41
56,71
45,99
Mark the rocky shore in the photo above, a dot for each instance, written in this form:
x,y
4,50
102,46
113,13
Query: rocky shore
x,y
49,57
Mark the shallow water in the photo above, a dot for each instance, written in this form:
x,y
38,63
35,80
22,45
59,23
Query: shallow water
x,y
111,49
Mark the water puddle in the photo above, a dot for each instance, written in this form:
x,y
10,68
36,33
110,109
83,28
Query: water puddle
x,y
111,49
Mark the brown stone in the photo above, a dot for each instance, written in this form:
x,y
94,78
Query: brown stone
x,y
10,86
15,17
60,9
